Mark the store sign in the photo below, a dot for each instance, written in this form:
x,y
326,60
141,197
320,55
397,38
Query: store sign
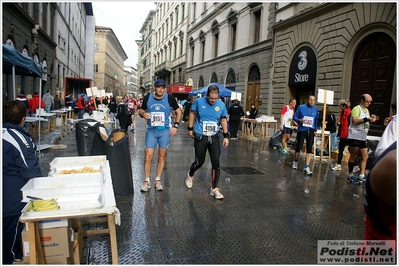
x,y
303,67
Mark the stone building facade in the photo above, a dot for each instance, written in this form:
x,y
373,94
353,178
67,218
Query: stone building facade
x,y
54,35
109,57
231,43
349,48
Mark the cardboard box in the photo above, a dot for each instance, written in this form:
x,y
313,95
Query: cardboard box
x,y
77,243
52,223
56,242
57,260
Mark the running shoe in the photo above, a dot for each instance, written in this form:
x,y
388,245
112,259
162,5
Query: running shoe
x,y
354,180
284,152
362,179
216,193
158,186
189,181
356,169
295,165
337,167
146,186
307,171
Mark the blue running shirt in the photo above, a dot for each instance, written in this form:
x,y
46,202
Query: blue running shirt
x,y
208,116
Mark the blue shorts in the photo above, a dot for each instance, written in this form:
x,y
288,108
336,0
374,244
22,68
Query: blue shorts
x,y
154,137
287,130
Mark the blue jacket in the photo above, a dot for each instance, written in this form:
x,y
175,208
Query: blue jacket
x,y
20,163
306,110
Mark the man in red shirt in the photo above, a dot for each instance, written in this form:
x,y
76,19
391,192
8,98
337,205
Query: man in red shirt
x,y
81,106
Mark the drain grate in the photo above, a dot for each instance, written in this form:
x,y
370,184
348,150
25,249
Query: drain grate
x,y
241,170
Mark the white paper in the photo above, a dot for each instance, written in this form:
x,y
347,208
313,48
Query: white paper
x,y
95,91
235,95
329,96
101,93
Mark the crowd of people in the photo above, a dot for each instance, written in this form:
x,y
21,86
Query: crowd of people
x,y
207,120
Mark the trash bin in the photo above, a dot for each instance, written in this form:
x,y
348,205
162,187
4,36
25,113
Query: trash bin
x,y
118,156
88,138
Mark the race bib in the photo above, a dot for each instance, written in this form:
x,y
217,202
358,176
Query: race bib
x,y
157,119
209,128
308,121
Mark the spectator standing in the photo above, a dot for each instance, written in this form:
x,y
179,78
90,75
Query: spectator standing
x,y
187,108
157,108
343,124
252,115
235,114
22,98
357,134
112,107
48,101
390,134
20,164
306,117
57,102
81,106
105,101
203,126
331,126
91,105
35,102
131,104
123,114
28,98
286,121
380,197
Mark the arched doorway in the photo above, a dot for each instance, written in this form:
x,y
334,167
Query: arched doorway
x,y
253,88
373,72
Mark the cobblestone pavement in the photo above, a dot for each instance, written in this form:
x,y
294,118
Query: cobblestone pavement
x,y
267,216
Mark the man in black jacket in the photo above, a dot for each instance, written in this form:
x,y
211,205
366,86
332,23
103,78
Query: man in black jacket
x,y
235,114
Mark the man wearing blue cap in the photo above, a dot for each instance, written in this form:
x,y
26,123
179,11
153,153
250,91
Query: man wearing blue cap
x,y
157,110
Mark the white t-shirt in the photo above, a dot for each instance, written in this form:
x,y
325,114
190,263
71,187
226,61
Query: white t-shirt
x,y
388,137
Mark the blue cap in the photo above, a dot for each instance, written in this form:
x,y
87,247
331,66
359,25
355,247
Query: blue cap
x,y
160,82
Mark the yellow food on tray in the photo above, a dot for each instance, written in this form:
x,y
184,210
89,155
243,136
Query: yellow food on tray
x,y
81,170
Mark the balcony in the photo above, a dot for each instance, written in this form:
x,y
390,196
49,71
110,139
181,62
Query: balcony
x,y
163,69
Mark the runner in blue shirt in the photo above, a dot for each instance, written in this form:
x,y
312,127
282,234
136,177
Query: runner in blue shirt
x,y
156,109
208,112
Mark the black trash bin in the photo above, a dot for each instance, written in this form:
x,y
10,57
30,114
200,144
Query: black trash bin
x,y
88,138
118,156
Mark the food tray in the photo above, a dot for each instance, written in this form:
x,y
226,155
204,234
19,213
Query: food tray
x,y
68,205
62,186
95,167
74,161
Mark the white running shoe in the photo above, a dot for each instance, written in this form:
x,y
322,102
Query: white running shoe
x,y
189,181
146,186
307,171
216,193
337,167
295,165
158,186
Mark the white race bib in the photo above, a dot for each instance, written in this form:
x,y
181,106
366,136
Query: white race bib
x,y
308,121
209,128
157,119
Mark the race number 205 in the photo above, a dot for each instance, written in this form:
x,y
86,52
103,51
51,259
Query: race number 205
x,y
356,252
